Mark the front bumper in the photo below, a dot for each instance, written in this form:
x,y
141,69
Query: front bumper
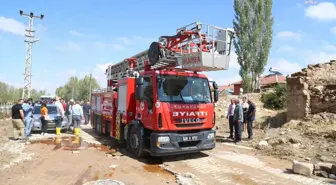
x,y
198,141
37,126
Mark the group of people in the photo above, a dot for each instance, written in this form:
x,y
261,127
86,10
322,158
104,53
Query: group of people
x,y
241,117
23,111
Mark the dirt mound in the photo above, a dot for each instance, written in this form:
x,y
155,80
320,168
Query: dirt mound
x,y
11,152
312,139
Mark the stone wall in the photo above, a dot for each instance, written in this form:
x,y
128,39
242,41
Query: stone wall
x,y
312,90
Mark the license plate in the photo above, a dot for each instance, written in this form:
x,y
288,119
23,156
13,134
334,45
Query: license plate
x,y
190,138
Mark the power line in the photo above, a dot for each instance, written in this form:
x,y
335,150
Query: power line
x,y
30,39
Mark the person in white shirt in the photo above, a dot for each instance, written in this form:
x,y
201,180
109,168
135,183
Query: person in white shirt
x,y
77,114
60,112
229,116
245,106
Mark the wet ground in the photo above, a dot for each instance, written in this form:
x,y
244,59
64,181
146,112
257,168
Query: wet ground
x,y
77,160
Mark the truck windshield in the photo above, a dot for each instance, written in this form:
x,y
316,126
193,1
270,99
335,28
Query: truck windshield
x,y
183,89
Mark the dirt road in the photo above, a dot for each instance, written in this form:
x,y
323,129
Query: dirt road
x,y
71,160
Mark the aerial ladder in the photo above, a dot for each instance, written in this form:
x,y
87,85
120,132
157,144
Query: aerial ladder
x,y
196,47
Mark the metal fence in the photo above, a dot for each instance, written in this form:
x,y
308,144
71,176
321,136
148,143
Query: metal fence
x,y
6,108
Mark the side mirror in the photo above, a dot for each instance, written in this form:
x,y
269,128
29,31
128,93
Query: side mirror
x,y
214,85
139,92
216,95
139,80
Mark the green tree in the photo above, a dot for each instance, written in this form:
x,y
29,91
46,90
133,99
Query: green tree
x,y
277,99
78,89
254,26
11,94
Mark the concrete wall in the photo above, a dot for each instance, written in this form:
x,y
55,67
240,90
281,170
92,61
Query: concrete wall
x,y
312,90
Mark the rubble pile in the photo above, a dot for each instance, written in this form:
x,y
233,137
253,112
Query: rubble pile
x,y
312,90
326,170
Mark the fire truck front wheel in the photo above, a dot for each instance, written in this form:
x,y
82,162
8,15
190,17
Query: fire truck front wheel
x,y
135,142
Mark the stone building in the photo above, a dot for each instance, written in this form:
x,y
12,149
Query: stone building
x,y
312,90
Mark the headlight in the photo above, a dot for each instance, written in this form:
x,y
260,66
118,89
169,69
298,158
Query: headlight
x,y
163,139
211,135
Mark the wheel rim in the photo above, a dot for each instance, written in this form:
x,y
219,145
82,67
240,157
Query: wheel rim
x,y
134,141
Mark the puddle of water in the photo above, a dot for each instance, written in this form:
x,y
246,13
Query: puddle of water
x,y
155,168
241,180
73,143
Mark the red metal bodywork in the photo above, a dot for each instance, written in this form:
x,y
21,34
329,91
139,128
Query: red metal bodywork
x,y
166,109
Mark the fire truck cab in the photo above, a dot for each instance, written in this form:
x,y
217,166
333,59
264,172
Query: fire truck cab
x,y
158,102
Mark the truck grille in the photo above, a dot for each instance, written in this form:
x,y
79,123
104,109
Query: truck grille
x,y
188,125
188,144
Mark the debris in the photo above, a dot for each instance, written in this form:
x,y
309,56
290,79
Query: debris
x,y
27,143
165,167
189,175
185,179
262,145
323,166
332,176
303,168
333,169
294,140
75,152
333,134
108,155
104,182
113,166
321,173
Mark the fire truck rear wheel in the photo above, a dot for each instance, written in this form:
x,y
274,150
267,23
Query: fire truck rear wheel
x,y
134,142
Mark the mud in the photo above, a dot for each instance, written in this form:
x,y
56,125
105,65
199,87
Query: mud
x,y
73,143
155,168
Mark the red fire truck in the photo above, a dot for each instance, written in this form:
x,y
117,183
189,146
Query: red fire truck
x,y
157,101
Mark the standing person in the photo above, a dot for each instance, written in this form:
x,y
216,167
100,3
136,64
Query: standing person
x,y
17,120
77,116
251,113
238,120
60,115
28,116
230,117
68,113
44,117
86,110
245,108
63,104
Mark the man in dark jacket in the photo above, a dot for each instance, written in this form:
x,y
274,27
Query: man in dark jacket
x,y
250,118
18,120
86,110
238,118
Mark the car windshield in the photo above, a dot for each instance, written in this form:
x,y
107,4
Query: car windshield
x,y
51,110
183,89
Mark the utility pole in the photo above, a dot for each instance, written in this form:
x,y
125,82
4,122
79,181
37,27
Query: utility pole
x,y
30,39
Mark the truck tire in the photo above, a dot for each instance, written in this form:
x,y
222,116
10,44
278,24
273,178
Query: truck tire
x,y
135,142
